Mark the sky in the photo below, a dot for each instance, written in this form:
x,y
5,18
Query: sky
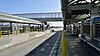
x,y
29,6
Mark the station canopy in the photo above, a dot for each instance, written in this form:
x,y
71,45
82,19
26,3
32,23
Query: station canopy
x,y
76,10
5,17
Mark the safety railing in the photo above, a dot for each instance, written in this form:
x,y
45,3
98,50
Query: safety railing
x,y
20,31
0,33
8,32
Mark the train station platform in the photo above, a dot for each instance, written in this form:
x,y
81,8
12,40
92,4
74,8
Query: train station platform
x,y
14,39
49,45
24,48
47,48
75,47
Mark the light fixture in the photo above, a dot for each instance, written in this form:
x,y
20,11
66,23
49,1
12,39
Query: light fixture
x,y
97,1
88,1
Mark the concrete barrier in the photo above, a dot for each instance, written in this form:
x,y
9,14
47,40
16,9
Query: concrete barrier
x,y
7,41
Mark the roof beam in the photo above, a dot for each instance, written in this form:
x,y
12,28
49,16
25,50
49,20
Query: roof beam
x,y
94,1
80,7
11,18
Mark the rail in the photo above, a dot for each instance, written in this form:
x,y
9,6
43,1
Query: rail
x,y
55,48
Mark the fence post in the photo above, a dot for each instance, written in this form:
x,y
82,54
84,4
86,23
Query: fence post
x,y
8,32
0,33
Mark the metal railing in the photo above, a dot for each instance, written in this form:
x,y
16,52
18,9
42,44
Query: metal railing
x,y
8,32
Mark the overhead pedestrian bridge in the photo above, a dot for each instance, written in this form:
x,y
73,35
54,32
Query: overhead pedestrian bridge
x,y
49,16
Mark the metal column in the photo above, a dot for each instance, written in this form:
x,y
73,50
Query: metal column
x,y
94,14
39,26
64,25
29,27
11,27
81,31
42,26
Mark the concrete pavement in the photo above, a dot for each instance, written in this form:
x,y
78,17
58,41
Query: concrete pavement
x,y
26,47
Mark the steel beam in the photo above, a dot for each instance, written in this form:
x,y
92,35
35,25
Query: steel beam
x,y
80,7
11,18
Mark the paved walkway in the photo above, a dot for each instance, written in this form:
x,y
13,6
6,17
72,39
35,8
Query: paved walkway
x,y
75,47
45,49
26,47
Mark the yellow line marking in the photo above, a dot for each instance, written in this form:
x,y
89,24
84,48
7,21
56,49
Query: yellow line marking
x,y
63,44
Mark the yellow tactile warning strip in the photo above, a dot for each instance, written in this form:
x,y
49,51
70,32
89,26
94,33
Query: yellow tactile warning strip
x,y
63,44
